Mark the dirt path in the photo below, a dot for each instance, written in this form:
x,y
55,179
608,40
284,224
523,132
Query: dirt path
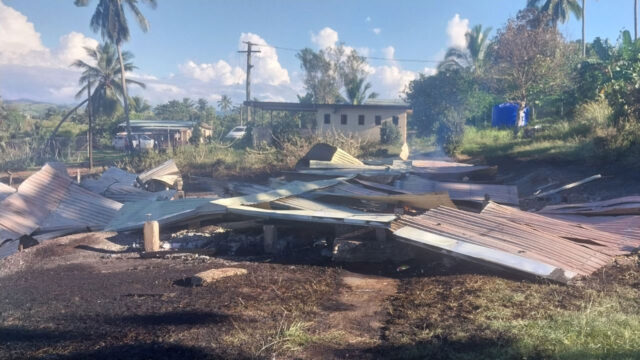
x,y
358,315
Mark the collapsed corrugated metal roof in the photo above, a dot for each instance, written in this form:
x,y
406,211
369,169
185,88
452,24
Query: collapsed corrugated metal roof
x,y
50,201
5,190
495,240
464,191
322,216
121,186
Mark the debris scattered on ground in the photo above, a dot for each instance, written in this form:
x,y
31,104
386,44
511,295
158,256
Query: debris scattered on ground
x,y
569,186
209,276
339,207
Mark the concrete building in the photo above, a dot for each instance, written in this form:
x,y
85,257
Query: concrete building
x,y
363,121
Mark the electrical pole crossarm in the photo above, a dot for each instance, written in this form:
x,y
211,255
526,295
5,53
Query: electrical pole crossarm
x,y
249,51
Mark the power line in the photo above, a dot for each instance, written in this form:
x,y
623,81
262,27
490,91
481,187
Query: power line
x,y
365,57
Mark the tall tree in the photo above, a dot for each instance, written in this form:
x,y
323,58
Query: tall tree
x,y
559,10
110,20
322,73
105,77
225,104
352,71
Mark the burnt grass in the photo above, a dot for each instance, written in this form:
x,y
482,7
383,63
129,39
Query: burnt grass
x,y
128,308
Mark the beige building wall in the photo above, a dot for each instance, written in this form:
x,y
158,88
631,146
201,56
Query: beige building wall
x,y
369,131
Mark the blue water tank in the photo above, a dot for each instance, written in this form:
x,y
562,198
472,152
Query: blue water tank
x,y
506,115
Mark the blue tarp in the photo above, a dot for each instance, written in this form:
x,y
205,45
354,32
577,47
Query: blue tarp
x,y
506,115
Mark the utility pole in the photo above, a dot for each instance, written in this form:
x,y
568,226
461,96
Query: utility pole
x,y
249,66
90,140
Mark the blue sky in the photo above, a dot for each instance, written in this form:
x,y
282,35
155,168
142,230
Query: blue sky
x,y
191,47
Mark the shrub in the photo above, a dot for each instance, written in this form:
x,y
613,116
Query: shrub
x,y
449,131
389,133
596,113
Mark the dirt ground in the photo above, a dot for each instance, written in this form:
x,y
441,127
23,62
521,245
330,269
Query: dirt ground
x,y
92,296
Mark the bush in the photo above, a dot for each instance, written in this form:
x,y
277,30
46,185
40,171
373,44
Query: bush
x,y
389,133
449,131
596,113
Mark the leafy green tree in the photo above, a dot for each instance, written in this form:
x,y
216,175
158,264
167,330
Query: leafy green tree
x,y
175,110
110,20
225,104
352,71
322,74
622,91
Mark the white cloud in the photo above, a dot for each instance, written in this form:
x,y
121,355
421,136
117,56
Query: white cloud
x,y
267,68
327,37
72,47
220,72
19,39
456,30
388,52
376,31
391,80
429,71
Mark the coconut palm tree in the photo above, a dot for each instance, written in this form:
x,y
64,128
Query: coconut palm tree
x,y
559,10
225,104
477,42
109,18
105,78
139,104
357,90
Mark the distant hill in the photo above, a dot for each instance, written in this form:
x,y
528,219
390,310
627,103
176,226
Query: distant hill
x,y
33,108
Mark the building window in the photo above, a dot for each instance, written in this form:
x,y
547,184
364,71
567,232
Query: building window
x,y
395,120
343,119
378,120
360,119
327,118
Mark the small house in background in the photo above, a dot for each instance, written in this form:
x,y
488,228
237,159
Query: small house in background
x,y
163,131
508,115
363,121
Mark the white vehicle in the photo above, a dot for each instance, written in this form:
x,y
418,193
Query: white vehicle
x,y
139,141
237,132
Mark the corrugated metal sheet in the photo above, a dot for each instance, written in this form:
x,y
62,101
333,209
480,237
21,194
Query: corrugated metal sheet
x,y
605,242
132,216
8,247
50,201
504,194
5,190
121,186
494,233
291,189
629,205
167,173
628,225
444,170
323,216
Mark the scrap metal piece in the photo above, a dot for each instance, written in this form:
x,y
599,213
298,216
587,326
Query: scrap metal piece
x,y
166,173
628,205
569,186
326,152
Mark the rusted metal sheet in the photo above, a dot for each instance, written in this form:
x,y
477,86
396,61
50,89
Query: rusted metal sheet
x,y
591,237
326,152
628,205
504,194
50,201
166,173
5,190
492,237
625,225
